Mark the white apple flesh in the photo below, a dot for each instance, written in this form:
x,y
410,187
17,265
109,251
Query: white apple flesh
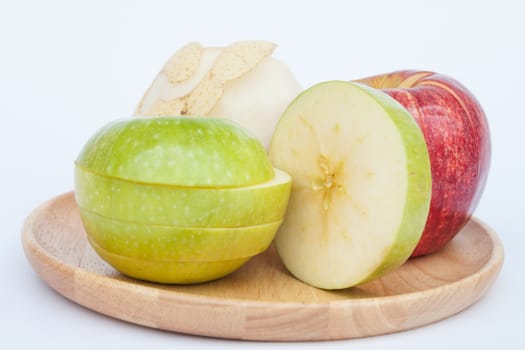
x,y
361,184
241,82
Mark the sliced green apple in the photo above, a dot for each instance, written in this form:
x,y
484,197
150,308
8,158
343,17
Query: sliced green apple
x,y
162,242
361,184
178,199
183,206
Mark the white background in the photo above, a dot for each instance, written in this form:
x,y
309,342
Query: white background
x,y
67,68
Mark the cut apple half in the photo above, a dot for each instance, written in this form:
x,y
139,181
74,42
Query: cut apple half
x,y
361,184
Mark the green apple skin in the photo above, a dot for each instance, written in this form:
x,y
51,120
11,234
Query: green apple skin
x,y
338,179
164,242
150,193
418,195
180,151
181,206
168,254
169,271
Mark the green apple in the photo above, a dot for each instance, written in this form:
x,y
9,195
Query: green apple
x,y
178,199
361,184
183,206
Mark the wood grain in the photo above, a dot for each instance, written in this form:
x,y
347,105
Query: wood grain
x,y
262,301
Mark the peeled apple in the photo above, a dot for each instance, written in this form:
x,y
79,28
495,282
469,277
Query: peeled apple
x,y
241,82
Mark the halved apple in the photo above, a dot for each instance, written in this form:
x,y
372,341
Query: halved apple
x,y
361,184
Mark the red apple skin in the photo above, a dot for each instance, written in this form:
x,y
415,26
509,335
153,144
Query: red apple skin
x,y
458,140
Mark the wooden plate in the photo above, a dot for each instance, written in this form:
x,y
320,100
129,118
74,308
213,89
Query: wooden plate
x,y
262,301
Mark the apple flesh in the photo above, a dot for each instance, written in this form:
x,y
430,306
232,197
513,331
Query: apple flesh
x,y
178,199
458,139
240,81
361,184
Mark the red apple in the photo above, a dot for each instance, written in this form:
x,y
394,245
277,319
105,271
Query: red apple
x,y
458,140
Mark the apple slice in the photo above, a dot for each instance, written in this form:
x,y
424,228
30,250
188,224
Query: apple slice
x,y
178,151
361,184
169,254
169,271
183,206
164,242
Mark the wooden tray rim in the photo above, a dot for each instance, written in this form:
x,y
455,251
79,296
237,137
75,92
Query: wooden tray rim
x,y
32,247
